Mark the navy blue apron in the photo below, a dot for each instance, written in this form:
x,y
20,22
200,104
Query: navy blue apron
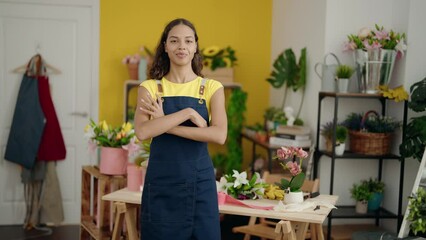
x,y
179,199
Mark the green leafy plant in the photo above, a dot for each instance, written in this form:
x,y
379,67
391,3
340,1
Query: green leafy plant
x,y
344,71
414,142
341,134
375,186
235,109
215,57
361,192
327,129
287,72
417,211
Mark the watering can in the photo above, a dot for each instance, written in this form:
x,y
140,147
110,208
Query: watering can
x,y
327,73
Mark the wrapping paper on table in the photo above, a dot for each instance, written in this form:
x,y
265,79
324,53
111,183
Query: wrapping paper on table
x,y
225,198
309,204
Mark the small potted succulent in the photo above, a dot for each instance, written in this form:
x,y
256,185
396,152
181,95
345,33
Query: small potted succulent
x,y
343,74
341,135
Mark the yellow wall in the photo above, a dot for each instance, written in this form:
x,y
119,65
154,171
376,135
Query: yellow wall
x,y
245,25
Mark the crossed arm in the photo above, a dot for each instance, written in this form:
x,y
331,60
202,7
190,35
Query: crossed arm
x,y
150,120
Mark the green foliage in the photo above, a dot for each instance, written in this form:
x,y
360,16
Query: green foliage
x,y
214,57
417,211
361,192
344,71
287,72
375,186
251,189
414,141
294,184
372,123
341,134
235,111
274,114
327,130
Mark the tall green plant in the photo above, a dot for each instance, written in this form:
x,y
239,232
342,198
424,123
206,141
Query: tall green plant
x,y
290,74
414,142
235,110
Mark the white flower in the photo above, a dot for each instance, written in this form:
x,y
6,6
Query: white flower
x,y
223,185
364,32
240,178
401,47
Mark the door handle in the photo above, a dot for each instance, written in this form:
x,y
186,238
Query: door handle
x,y
80,114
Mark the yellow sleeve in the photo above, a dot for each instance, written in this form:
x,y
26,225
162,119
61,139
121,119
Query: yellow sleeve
x,y
211,87
151,86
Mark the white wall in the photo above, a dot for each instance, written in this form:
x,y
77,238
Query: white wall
x,y
323,26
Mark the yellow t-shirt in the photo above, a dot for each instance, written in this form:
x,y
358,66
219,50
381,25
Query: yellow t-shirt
x,y
188,89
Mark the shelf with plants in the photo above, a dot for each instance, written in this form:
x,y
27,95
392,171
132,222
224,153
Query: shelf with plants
x,y
348,211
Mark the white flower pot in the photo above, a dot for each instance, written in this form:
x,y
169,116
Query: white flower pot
x,y
361,207
340,149
293,197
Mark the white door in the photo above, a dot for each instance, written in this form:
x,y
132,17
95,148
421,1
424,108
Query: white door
x,y
66,34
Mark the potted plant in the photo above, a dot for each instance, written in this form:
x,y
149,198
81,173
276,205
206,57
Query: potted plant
x,y
361,193
417,212
292,187
327,131
116,144
414,141
136,171
341,135
370,133
274,116
343,74
289,73
218,63
376,188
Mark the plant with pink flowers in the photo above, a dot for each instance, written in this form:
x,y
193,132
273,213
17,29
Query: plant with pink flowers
x,y
378,38
291,155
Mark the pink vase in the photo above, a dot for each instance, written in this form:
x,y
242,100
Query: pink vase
x,y
135,177
113,161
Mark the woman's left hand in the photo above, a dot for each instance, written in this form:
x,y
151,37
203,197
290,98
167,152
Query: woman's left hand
x,y
153,107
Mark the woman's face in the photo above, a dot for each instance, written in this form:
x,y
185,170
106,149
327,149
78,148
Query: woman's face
x,y
180,45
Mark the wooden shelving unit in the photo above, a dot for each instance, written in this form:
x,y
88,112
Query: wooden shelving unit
x,y
95,215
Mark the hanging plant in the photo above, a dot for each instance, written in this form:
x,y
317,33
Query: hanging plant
x,y
290,74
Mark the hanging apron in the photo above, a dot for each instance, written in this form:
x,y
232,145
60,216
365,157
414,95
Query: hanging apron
x,y
52,146
179,199
27,125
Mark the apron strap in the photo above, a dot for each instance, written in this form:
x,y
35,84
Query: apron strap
x,y
201,90
160,89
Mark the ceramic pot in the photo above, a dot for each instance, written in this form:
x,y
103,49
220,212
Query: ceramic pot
x,y
340,149
361,207
135,177
113,161
375,202
293,197
133,69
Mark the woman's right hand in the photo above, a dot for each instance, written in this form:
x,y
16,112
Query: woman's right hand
x,y
197,119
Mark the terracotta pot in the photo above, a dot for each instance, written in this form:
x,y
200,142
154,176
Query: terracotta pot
x,y
133,70
113,161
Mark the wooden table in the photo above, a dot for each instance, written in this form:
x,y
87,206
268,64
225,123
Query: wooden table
x,y
126,203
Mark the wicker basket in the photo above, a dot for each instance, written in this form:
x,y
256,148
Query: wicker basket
x,y
370,143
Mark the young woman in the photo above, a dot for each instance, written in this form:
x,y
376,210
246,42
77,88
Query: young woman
x,y
181,111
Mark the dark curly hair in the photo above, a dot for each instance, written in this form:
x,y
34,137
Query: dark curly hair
x,y
161,64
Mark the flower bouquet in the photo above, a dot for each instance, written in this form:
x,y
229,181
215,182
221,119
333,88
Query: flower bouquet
x,y
375,52
238,186
116,143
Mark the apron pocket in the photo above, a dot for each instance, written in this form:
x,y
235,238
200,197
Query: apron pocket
x,y
168,203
